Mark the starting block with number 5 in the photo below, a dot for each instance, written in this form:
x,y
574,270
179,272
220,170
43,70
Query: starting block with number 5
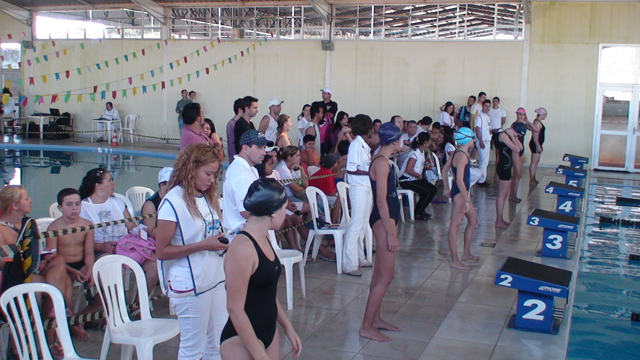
x,y
537,286
567,197
575,161
555,235
573,176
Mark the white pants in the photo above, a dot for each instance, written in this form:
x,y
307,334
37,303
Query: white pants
x,y
361,203
483,160
201,320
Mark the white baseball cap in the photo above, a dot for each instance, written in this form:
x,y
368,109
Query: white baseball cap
x,y
274,102
164,174
327,90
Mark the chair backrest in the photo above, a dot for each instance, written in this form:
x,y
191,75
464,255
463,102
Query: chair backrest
x,y
54,212
312,194
312,169
436,163
343,194
130,121
127,202
108,276
396,169
274,240
20,304
138,195
44,222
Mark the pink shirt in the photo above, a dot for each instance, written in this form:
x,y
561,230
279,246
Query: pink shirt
x,y
191,137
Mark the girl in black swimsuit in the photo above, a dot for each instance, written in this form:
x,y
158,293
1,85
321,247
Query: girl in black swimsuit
x,y
518,159
506,143
252,268
383,220
535,145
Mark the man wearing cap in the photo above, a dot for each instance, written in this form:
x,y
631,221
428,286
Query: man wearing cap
x,y
330,109
244,122
268,125
329,106
239,176
238,109
152,204
483,141
328,166
193,123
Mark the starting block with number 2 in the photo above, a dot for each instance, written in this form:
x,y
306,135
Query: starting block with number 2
x,y
575,161
567,197
573,176
555,235
537,287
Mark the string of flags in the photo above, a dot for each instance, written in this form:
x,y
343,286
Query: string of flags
x,y
93,92
13,36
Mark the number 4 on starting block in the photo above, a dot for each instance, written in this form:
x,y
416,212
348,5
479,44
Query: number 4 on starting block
x,y
567,197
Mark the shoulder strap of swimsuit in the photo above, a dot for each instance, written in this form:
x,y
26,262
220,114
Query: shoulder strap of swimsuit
x,y
253,240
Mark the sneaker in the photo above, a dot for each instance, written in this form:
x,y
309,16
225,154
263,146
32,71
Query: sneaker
x,y
423,217
355,273
365,263
484,184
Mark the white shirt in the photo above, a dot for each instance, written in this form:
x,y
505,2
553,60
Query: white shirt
x,y
359,158
286,174
316,129
446,120
186,275
449,148
112,209
239,176
496,116
302,126
111,115
272,130
406,137
482,122
476,109
417,166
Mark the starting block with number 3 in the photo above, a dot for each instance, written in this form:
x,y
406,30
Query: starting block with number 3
x,y
555,235
575,161
567,197
573,176
537,287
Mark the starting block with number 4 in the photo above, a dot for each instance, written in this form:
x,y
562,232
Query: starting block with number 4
x,y
537,287
573,176
555,235
575,161
567,197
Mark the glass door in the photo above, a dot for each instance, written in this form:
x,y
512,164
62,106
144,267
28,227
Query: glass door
x,y
616,129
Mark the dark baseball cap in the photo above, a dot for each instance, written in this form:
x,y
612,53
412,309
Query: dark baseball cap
x,y
253,137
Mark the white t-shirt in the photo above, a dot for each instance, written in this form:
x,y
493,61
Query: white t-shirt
x,y
417,166
302,125
448,147
318,142
112,115
446,120
359,158
239,176
496,116
409,138
110,210
482,122
286,174
187,276
272,130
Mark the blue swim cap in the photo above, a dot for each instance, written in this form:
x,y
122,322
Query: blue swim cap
x,y
464,135
389,133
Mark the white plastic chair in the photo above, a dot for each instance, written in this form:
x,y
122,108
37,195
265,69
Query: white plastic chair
x,y
127,202
23,312
409,194
312,169
343,194
44,222
54,212
337,231
143,334
129,126
288,257
138,195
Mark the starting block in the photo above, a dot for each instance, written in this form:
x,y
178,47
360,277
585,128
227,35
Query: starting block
x,y
537,286
567,197
575,161
573,176
555,235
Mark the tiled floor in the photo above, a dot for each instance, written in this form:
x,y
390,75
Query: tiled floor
x,y
443,313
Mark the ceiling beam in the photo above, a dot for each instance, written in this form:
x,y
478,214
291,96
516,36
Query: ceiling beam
x,y
153,8
323,8
21,14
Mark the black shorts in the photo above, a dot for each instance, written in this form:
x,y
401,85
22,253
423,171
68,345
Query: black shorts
x,y
76,265
532,147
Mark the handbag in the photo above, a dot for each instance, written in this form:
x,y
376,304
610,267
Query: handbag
x,y
136,248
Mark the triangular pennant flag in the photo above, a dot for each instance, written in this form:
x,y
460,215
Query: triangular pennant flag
x,y
180,80
37,99
126,58
135,55
58,54
171,82
82,46
37,60
154,87
44,79
215,67
171,66
205,48
188,77
219,41
235,57
79,98
130,80
31,80
67,73
117,61
107,86
28,61
95,88
57,76
114,94
45,57
163,85
185,60
161,70
98,66
223,63
166,42
230,61
92,96
79,71
142,51
158,45
64,51
106,63
197,74
41,100
135,91
142,77
144,89
54,98
53,43
206,70
89,69
24,100
241,53
198,52
178,62
124,93
152,73
66,98
103,95
10,36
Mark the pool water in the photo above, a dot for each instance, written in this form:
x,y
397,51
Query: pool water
x,y
608,284
44,173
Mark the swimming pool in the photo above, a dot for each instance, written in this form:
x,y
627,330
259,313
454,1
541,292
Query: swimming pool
x,y
44,172
608,284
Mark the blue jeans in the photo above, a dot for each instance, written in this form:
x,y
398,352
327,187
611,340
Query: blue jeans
x,y
180,125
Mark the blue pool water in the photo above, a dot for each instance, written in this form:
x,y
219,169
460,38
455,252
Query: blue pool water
x,y
45,172
608,284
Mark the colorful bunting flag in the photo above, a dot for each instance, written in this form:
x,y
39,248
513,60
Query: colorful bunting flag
x,y
54,98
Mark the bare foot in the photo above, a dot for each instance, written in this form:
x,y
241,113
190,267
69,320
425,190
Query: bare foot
x,y
459,266
515,199
533,181
502,224
470,258
374,334
383,325
56,351
79,332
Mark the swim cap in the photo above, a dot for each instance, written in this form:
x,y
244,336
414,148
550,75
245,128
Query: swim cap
x,y
541,111
520,128
521,111
464,135
265,197
389,133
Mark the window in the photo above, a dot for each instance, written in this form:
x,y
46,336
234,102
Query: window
x,y
12,55
97,24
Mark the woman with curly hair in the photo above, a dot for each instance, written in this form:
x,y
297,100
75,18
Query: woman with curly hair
x,y
189,241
